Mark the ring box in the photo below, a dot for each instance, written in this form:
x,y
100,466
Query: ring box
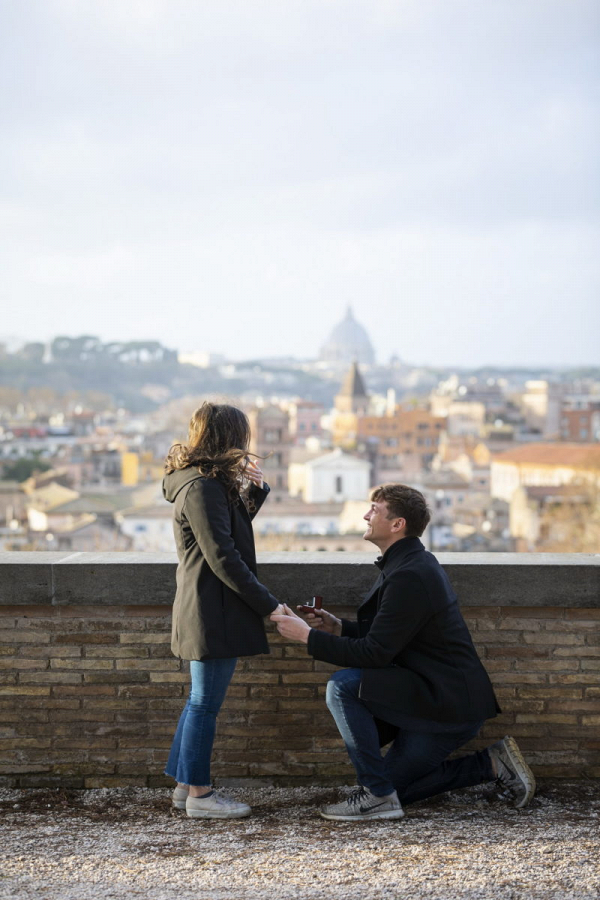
x,y
314,604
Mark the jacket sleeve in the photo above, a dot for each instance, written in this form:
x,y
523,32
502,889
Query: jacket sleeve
x,y
404,609
349,628
258,496
207,511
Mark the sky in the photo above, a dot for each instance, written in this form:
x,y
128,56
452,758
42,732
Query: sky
x,y
230,175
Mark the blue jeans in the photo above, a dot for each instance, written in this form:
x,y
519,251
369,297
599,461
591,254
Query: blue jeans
x,y
416,765
191,750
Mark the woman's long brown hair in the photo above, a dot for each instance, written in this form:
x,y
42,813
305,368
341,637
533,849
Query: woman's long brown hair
x,y
217,445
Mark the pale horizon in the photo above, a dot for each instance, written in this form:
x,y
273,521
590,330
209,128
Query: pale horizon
x,y
228,177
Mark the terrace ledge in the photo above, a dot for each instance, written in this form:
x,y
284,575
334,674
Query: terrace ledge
x,y
569,580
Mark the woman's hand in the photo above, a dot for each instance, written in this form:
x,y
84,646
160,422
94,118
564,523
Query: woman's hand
x,y
253,473
290,625
322,620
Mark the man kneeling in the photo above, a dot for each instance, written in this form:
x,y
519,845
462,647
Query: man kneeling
x,y
411,676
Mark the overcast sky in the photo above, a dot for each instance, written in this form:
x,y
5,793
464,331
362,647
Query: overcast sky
x,y
228,176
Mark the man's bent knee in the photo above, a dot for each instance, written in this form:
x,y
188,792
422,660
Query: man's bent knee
x,y
344,683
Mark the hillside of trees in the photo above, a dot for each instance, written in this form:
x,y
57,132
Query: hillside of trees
x,y
135,375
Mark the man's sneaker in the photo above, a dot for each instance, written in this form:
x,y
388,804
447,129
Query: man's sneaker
x,y
512,771
362,804
179,797
215,806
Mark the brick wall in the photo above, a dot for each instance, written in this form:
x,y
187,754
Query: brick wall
x,y
90,694
544,663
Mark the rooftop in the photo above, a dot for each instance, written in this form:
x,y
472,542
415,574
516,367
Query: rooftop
x,y
353,384
98,503
51,497
583,456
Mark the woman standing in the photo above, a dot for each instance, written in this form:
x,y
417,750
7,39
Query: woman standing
x,y
219,605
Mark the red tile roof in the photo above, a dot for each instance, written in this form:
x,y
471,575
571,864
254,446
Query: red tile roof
x,y
580,456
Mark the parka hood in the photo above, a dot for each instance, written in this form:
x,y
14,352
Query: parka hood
x,y
175,481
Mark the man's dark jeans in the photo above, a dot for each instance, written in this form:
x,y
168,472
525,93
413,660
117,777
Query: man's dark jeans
x,y
416,765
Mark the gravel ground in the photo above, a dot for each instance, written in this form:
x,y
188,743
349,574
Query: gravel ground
x,y
112,844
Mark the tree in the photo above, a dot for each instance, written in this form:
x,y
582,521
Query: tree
x,y
33,353
22,469
10,399
43,400
77,349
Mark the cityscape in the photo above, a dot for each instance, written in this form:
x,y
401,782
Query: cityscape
x,y
509,460
371,226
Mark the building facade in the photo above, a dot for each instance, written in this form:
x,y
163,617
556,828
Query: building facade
x,y
271,442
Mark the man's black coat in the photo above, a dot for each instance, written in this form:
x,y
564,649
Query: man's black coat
x,y
412,644
220,603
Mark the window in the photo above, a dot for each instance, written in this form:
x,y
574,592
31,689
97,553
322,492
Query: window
x,y
338,484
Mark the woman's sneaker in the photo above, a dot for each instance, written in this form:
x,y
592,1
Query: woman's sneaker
x,y
512,771
215,806
362,804
179,796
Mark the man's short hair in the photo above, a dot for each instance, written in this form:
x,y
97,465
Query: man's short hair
x,y
406,503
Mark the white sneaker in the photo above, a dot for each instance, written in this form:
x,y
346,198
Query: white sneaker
x,y
362,804
215,806
179,796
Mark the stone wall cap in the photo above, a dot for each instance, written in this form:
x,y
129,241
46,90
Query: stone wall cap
x,y
138,579
53,558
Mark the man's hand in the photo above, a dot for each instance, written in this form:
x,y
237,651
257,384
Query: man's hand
x,y
323,621
279,610
290,625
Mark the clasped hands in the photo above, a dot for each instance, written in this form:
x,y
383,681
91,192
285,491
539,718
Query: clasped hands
x,y
295,628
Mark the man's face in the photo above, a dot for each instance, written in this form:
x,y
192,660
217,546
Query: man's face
x,y
380,529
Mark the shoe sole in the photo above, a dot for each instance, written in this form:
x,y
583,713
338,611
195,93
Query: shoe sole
x,y
518,761
213,814
178,804
388,814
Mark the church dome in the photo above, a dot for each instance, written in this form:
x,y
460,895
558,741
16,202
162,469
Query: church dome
x,y
347,343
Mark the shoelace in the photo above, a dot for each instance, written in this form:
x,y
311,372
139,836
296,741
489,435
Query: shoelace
x,y
505,775
358,796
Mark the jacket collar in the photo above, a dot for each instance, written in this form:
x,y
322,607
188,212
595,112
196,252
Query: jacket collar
x,y
398,551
